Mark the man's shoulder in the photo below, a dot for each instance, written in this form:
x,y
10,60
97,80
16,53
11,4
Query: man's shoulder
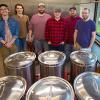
x,y
91,21
80,20
67,18
47,14
78,17
25,16
34,16
12,19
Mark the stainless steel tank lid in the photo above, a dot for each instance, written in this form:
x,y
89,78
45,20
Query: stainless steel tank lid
x,y
87,86
50,88
20,59
12,87
83,57
52,57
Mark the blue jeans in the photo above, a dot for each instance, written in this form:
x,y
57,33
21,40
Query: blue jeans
x,y
22,44
40,46
68,50
58,48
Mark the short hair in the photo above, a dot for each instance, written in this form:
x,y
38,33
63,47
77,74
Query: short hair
x,y
87,9
5,5
18,4
57,10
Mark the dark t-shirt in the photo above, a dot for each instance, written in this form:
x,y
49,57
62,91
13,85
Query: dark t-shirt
x,y
85,30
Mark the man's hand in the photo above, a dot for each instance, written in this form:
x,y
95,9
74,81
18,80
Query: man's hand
x,y
49,42
30,38
62,43
8,45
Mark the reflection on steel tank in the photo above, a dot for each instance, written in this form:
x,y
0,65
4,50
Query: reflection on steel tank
x,y
50,88
22,64
82,61
51,63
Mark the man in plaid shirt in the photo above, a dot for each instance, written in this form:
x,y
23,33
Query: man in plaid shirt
x,y
55,31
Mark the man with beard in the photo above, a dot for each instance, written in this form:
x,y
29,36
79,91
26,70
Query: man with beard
x,y
37,25
85,31
71,21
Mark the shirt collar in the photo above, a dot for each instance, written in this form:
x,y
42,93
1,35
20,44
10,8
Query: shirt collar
x,y
58,20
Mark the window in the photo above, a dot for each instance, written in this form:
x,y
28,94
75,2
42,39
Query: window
x,y
98,20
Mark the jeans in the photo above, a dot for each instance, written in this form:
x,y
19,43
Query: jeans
x,y
58,48
68,50
22,44
40,46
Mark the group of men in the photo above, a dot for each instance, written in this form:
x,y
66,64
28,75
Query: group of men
x,y
45,31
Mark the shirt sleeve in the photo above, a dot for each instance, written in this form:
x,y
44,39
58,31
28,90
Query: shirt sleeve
x,y
76,26
1,38
65,30
0,32
17,29
27,23
47,34
93,27
30,24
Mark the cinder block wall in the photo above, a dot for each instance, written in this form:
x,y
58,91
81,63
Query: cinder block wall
x,y
31,5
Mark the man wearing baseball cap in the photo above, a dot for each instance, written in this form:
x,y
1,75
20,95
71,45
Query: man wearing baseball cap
x,y
37,26
41,4
71,21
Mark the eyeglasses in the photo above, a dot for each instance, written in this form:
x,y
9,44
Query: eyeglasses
x,y
3,9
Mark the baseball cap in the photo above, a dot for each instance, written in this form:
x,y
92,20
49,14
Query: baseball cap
x,y
74,8
41,4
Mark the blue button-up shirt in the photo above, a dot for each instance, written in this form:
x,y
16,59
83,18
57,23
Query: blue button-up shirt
x,y
13,26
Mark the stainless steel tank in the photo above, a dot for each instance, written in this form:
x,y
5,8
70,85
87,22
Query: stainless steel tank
x,y
82,61
51,63
50,88
87,86
12,87
22,64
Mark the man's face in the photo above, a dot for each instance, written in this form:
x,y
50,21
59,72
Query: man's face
x,y
4,11
19,9
57,14
85,14
41,9
73,12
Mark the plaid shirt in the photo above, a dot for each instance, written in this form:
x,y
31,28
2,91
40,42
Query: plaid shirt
x,y
55,31
71,23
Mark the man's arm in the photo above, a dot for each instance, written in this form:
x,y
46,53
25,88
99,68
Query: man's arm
x,y
47,35
30,28
75,36
30,35
3,42
92,39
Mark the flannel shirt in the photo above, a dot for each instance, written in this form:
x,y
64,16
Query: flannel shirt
x,y
55,31
71,23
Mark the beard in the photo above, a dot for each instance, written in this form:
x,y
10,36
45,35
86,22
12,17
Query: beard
x,y
41,11
85,18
